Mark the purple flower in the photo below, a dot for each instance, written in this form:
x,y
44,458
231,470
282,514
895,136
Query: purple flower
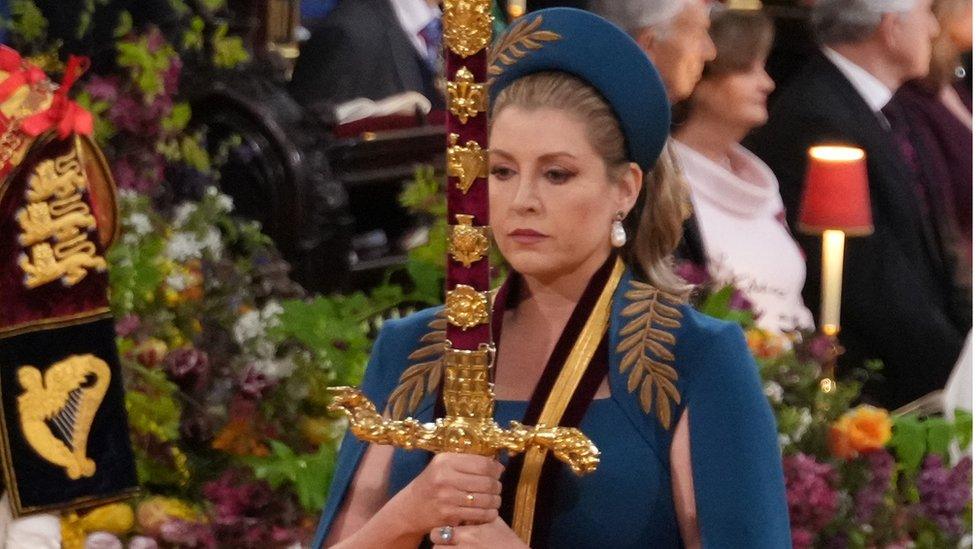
x,y
739,301
881,467
189,368
255,384
692,272
187,534
810,492
127,325
944,493
171,78
103,88
126,113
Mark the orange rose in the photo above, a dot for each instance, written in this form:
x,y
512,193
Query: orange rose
x,y
862,429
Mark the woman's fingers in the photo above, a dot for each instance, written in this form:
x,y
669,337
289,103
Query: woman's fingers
x,y
474,483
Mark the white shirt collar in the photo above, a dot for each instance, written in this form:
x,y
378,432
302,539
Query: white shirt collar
x,y
872,90
414,15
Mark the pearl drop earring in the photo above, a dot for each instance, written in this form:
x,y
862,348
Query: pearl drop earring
x,y
618,236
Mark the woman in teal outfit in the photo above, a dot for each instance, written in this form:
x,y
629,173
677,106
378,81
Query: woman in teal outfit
x,y
587,215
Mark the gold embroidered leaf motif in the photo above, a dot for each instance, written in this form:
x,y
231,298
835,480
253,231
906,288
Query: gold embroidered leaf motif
x,y
422,378
522,38
647,359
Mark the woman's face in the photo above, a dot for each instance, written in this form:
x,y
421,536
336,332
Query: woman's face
x,y
738,98
552,202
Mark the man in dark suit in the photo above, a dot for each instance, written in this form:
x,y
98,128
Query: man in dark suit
x,y
372,49
897,295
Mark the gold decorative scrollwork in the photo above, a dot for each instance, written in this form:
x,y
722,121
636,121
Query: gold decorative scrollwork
x,y
466,163
57,410
468,244
55,222
466,307
466,97
467,25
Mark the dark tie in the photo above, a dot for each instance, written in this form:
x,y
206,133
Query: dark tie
x,y
901,135
431,35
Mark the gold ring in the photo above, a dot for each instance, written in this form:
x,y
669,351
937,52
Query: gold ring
x,y
469,497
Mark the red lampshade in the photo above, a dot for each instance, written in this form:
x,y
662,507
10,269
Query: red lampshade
x,y
836,193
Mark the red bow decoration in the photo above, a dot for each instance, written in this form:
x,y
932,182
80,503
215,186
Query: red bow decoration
x,y
18,72
64,113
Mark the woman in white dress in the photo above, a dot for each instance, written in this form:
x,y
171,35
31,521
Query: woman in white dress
x,y
735,196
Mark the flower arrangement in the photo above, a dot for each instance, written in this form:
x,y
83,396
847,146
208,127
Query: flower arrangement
x,y
855,475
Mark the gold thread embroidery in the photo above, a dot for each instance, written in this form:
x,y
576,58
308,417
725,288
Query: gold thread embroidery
x,y
422,378
467,25
466,163
64,400
466,307
467,98
522,38
468,244
55,211
651,310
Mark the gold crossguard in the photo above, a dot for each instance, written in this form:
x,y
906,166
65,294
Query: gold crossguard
x,y
468,426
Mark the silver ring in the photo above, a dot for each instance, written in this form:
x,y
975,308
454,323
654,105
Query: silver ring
x,y
446,534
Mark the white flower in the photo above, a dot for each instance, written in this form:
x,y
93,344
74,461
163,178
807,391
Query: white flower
x,y
177,281
802,425
139,222
271,314
130,239
265,349
773,391
248,327
183,246
274,369
183,213
212,244
784,441
225,203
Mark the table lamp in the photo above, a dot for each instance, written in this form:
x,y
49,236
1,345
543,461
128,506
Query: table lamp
x,y
836,204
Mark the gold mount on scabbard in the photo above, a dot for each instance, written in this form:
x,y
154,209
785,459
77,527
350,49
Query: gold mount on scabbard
x,y
468,426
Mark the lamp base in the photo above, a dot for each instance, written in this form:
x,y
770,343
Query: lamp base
x,y
827,382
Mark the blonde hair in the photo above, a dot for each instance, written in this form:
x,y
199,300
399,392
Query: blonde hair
x,y
654,226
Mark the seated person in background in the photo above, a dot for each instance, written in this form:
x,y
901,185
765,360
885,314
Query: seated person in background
x,y
734,194
673,33
938,109
897,291
372,49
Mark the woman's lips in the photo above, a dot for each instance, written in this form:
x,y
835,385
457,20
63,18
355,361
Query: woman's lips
x,y
526,236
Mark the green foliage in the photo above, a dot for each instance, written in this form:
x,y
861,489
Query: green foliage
x,y
178,117
104,130
153,410
913,437
719,305
145,66
193,37
228,51
308,475
27,24
125,25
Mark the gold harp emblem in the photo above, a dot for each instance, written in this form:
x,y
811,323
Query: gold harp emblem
x,y
469,244
467,25
466,307
57,410
467,98
466,163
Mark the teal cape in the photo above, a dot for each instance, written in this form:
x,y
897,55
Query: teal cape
x,y
736,464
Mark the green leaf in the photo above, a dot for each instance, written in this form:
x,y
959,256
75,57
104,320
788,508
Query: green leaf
x,y
909,441
125,25
428,280
308,475
178,117
939,435
717,304
228,50
964,428
193,37
27,22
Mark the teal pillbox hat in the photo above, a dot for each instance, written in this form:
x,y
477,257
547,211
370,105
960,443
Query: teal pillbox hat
x,y
601,54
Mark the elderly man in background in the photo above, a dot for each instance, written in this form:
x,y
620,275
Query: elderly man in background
x,y
898,303
673,33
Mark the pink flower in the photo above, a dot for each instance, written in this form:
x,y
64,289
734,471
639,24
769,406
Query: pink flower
x,y
127,325
802,539
810,492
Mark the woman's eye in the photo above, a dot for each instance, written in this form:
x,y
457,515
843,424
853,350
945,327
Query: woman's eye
x,y
502,172
558,176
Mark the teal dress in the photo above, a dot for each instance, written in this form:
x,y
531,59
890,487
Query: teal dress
x,y
685,360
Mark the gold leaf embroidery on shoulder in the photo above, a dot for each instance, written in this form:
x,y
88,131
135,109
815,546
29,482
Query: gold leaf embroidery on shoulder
x,y
423,377
653,373
522,38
